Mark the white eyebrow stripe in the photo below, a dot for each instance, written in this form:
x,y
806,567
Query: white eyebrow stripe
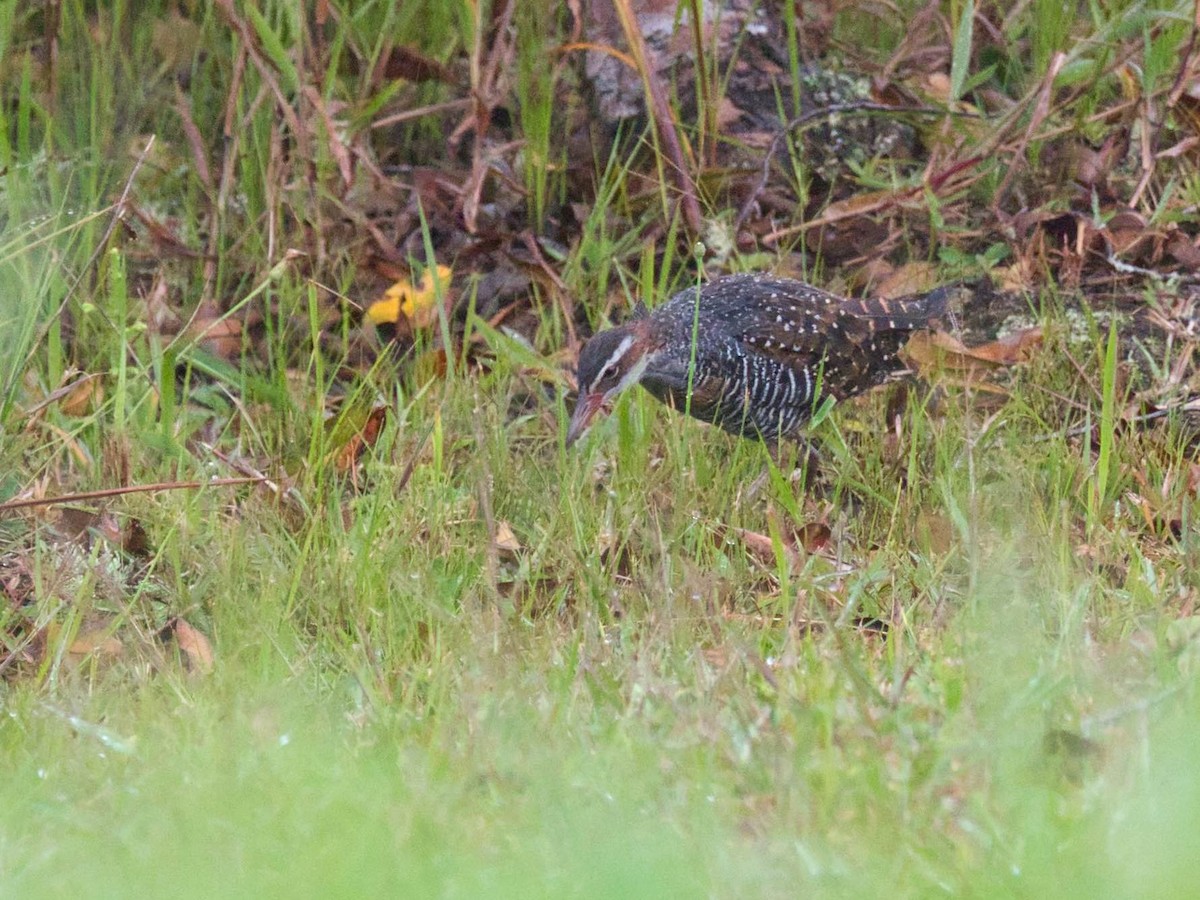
x,y
622,348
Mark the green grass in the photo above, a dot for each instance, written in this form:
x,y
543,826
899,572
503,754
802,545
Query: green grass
x,y
383,716
631,703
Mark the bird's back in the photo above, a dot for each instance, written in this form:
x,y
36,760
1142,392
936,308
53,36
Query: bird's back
x,y
765,349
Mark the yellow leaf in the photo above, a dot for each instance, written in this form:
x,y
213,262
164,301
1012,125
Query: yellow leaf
x,y
415,302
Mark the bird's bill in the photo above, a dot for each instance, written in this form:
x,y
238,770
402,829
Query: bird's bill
x,y
586,409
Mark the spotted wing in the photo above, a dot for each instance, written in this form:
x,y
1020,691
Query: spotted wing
x,y
843,347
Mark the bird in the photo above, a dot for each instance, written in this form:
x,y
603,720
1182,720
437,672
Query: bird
x,y
753,353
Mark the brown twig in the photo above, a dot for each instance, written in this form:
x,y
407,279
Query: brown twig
x,y
1150,130
488,74
231,134
660,113
291,116
430,110
128,489
183,108
804,118
1041,111
59,393
855,206
560,289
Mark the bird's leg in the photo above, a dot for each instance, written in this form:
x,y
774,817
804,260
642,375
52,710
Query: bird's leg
x,y
796,458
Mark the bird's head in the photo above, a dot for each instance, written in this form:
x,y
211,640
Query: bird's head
x,y
609,363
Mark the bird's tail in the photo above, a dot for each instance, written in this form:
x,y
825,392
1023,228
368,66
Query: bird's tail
x,y
909,313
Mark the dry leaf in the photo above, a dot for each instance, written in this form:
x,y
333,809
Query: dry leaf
x,y
1126,230
935,531
90,640
430,365
196,649
911,278
761,547
504,538
350,438
77,395
98,641
937,86
942,350
1017,278
84,396
606,541
813,536
1183,250
411,65
220,335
